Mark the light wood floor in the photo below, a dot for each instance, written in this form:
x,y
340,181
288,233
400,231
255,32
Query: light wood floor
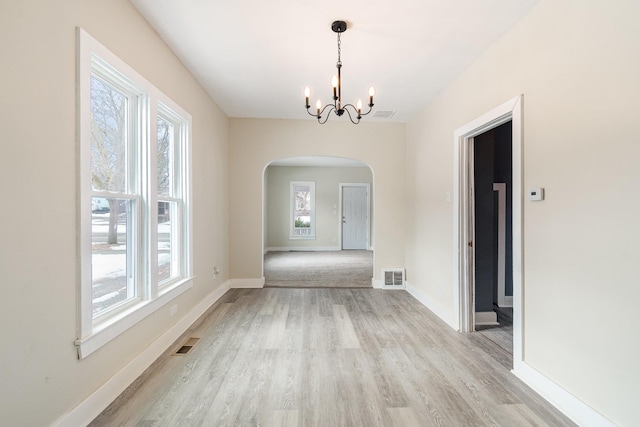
x,y
329,357
501,334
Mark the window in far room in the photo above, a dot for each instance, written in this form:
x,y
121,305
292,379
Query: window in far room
x,y
302,210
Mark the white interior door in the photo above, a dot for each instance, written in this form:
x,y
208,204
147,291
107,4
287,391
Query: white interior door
x,y
355,216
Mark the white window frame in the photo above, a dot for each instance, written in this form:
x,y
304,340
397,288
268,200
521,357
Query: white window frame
x,y
292,209
179,188
93,333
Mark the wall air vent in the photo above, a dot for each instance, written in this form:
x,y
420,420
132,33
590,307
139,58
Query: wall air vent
x,y
393,278
382,114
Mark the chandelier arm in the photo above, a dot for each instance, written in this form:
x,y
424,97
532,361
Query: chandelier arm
x,y
360,113
331,107
321,112
349,114
319,116
370,109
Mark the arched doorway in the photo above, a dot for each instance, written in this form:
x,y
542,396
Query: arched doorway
x,y
307,204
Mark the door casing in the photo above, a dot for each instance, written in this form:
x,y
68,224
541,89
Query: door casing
x,y
463,215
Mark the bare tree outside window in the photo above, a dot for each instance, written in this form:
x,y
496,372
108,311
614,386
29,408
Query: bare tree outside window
x,y
109,146
302,194
110,113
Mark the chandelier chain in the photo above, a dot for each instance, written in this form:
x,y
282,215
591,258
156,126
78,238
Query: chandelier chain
x,y
339,49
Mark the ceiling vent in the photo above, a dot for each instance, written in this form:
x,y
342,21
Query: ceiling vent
x,y
382,114
393,278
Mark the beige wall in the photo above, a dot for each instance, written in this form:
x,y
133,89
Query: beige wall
x,y
255,143
40,376
577,64
327,192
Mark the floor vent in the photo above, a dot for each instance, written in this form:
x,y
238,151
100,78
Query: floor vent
x,y
393,278
186,347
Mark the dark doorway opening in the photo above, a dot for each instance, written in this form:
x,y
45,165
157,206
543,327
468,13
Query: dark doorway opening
x,y
493,240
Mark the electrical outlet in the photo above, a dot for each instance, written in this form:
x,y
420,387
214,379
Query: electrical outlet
x,y
216,271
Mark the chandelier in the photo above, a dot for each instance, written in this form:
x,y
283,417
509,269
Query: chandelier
x,y
338,27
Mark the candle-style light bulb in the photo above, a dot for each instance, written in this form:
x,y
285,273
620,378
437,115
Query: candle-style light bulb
x,y
334,83
307,92
372,92
359,106
318,106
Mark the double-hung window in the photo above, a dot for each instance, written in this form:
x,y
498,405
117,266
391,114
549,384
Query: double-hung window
x,y
134,191
303,216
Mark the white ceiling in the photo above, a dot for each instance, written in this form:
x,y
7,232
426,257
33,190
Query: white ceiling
x,y
254,57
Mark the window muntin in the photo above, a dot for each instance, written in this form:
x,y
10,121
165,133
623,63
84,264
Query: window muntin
x,y
302,198
133,214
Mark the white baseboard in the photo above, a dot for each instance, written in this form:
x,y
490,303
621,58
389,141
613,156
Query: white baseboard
x,y
91,407
506,301
578,411
486,318
431,305
303,249
246,283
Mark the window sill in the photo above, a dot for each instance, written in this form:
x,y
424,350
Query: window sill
x,y
110,329
302,237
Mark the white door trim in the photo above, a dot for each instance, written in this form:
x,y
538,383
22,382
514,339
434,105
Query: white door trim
x,y
462,234
340,190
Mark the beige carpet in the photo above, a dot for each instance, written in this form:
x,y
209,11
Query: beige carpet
x,y
324,269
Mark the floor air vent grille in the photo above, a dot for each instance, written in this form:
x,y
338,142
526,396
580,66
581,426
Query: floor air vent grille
x,y
186,347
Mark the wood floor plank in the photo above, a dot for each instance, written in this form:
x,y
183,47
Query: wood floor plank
x,y
520,415
403,417
325,357
283,418
344,327
275,333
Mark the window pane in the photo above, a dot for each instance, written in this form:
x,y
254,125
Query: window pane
x,y
165,156
303,198
109,111
168,267
302,214
111,269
